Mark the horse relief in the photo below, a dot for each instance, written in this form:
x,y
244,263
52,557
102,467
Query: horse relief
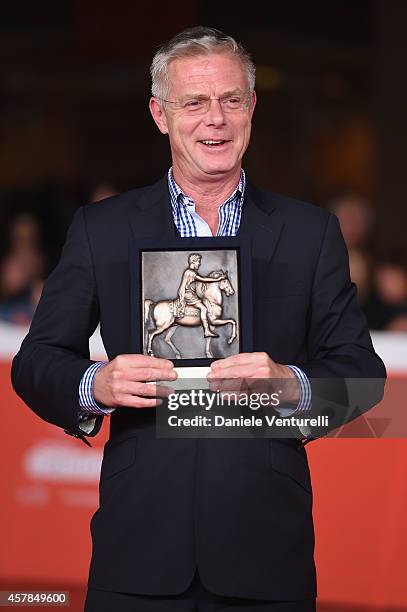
x,y
198,303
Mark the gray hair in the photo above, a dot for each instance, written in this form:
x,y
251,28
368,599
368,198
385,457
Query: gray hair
x,y
193,42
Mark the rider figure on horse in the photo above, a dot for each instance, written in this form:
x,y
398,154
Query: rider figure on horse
x,y
187,295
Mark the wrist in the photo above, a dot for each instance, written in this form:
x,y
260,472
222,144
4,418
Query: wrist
x,y
292,386
98,386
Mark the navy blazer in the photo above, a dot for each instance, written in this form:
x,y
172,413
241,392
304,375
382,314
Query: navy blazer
x,y
238,509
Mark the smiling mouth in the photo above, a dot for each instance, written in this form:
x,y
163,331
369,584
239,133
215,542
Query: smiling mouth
x,y
213,143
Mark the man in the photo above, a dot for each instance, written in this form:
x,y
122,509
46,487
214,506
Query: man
x,y
225,521
187,295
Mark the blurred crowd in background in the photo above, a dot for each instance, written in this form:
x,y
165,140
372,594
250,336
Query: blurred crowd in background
x,y
380,275
30,247
330,114
32,244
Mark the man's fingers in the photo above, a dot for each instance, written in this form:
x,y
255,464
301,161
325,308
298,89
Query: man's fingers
x,y
139,361
134,401
235,385
259,359
129,387
232,360
143,374
153,374
235,371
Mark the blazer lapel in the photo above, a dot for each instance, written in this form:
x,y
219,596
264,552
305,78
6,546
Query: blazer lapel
x,y
261,223
151,217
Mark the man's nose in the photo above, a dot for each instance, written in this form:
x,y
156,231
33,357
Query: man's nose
x,y
215,114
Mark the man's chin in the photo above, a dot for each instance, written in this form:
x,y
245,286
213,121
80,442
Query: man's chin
x,y
219,169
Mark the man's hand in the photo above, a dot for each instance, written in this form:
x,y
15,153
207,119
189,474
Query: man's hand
x,y
122,382
239,369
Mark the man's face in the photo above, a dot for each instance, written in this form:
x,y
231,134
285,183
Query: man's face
x,y
214,75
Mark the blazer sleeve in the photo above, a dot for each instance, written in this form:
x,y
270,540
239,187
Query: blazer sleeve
x,y
55,353
347,377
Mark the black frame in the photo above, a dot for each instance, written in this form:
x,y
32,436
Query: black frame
x,y
241,245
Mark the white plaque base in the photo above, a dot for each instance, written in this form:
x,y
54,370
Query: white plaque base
x,y
188,378
191,378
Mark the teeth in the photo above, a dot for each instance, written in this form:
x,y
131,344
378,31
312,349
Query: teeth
x,y
212,142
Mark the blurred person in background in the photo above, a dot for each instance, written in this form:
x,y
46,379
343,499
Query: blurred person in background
x,y
101,191
24,260
21,271
25,244
20,308
386,308
360,267
355,217
14,278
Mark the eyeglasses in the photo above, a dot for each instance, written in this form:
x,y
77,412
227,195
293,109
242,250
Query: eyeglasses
x,y
201,105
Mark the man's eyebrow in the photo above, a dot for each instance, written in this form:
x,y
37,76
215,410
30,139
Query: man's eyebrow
x,y
233,92
188,96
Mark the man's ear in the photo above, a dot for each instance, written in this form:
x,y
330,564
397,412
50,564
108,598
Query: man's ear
x,y
253,101
158,114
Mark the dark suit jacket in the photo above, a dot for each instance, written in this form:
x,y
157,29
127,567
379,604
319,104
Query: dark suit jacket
x,y
238,509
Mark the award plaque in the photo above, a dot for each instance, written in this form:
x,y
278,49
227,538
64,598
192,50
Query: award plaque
x,y
191,300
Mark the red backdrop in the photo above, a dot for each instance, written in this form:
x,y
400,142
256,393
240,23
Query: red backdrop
x,y
49,493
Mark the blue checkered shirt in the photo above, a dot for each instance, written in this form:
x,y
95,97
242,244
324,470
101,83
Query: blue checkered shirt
x,y
190,224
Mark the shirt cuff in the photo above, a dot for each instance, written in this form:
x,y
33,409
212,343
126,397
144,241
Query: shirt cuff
x,y
86,400
304,404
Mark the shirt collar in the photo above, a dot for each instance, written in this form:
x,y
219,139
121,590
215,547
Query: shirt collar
x,y
179,197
